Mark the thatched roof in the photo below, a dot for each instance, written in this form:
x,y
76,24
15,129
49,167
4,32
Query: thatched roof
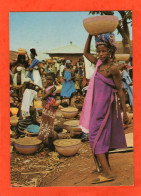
x,y
68,49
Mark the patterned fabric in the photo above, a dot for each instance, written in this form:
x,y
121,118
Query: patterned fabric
x,y
107,38
50,101
48,117
47,124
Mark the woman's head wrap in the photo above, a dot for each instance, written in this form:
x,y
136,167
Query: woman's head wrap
x,y
107,39
68,61
33,51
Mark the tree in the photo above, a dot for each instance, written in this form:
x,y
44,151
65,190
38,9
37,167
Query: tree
x,y
123,28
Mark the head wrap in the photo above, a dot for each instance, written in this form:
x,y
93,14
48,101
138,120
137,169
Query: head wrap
x,y
33,51
19,68
68,61
106,39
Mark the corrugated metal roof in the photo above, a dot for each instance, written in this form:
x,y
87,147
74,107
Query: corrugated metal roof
x,y
68,49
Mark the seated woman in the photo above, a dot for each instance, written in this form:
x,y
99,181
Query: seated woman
x,y
27,112
23,123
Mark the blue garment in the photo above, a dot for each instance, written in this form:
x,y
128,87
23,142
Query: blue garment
x,y
33,128
33,64
128,80
68,86
80,72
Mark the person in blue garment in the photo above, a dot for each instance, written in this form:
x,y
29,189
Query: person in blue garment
x,y
127,83
68,87
34,69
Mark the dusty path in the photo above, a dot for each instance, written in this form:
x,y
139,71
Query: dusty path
x,y
79,171
45,169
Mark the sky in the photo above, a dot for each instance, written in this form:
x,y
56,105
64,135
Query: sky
x,y
48,30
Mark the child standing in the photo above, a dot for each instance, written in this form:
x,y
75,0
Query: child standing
x,y
49,110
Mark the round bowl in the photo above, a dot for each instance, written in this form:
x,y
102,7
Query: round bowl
x,y
27,145
67,147
38,104
122,57
62,134
72,125
79,105
14,111
14,120
69,112
22,51
58,88
60,107
96,25
57,102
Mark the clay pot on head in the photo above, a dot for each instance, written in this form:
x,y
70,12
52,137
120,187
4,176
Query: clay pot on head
x,y
96,25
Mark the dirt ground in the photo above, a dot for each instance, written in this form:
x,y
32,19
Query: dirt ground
x,y
49,169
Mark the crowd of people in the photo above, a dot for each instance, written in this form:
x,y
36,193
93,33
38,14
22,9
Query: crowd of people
x,y
30,77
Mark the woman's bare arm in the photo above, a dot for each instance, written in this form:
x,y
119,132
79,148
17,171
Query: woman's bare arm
x,y
87,53
45,95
